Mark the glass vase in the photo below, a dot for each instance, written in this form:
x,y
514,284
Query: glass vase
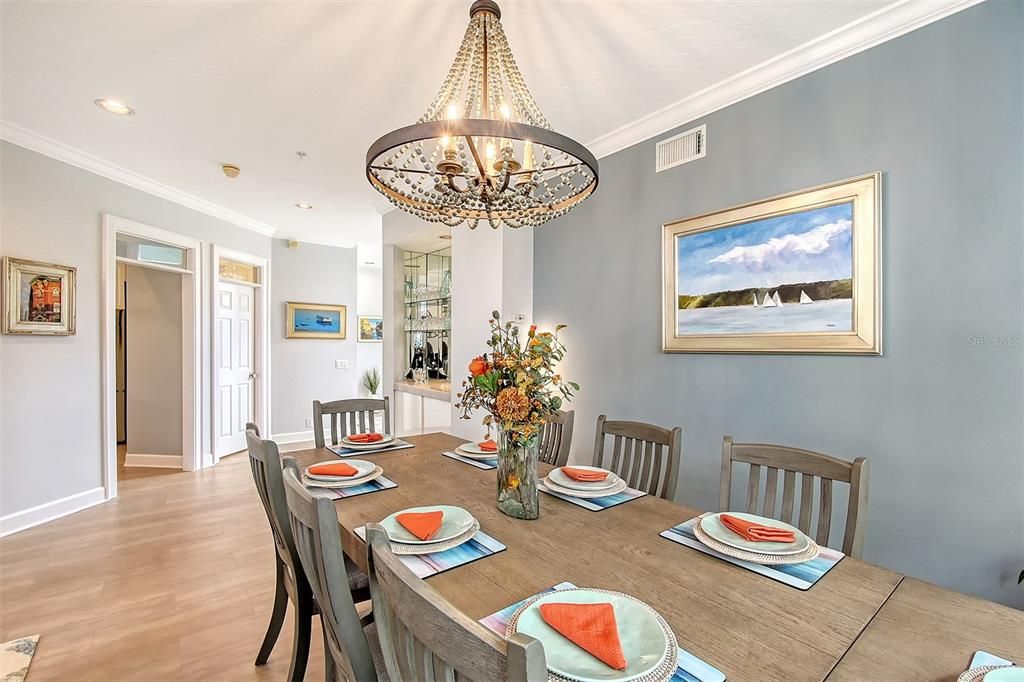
x,y
517,477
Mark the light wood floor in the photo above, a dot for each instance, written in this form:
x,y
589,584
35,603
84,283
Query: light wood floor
x,y
173,580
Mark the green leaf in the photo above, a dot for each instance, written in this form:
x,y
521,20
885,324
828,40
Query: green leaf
x,y
556,402
495,315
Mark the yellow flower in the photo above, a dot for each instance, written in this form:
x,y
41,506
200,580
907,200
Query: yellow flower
x,y
513,481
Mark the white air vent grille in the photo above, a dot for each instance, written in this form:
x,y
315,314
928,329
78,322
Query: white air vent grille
x,y
682,148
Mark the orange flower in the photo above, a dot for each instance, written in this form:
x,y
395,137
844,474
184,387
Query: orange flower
x,y
478,366
512,406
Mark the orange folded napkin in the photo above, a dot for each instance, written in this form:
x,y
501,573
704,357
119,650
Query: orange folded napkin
x,y
584,475
421,524
591,627
488,446
334,469
755,532
365,437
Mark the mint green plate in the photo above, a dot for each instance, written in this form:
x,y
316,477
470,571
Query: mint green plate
x,y
643,638
712,525
1012,674
454,523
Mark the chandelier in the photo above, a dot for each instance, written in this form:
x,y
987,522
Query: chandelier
x,y
483,151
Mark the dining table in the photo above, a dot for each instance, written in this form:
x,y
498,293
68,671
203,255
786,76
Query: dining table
x,y
747,626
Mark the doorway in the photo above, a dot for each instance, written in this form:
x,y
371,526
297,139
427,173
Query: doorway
x,y
178,257
241,358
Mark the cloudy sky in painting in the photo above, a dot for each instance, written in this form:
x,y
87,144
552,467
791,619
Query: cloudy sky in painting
x,y
809,246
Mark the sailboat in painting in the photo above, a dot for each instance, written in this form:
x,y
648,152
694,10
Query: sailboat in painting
x,y
778,301
755,300
804,298
768,302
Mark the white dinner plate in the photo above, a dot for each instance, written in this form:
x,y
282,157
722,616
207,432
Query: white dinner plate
x,y
475,455
644,637
560,478
619,486
475,449
363,469
313,483
712,525
386,440
455,522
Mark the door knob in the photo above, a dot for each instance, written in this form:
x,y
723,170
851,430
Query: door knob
x,y
252,375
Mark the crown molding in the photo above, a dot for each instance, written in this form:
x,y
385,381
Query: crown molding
x,y
873,29
76,157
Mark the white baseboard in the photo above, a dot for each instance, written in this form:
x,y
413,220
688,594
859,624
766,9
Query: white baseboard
x,y
293,437
158,461
209,460
27,518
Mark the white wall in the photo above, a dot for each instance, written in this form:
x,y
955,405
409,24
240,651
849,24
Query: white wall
x,y
303,369
52,211
370,302
153,361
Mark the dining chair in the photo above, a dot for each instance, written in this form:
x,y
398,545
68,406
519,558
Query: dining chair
x,y
291,583
644,455
357,415
423,637
351,647
810,465
556,438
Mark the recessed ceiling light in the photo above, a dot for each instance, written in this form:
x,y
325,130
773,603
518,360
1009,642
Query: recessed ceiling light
x,y
446,236
303,205
114,107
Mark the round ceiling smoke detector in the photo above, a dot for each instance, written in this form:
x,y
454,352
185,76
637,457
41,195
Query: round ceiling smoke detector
x,y
230,170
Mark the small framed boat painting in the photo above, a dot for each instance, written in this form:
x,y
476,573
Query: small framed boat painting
x,y
39,298
798,273
315,321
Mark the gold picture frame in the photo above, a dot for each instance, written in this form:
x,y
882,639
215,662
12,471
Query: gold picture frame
x,y
737,263
39,298
315,321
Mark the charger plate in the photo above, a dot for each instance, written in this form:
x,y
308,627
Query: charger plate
x,y
632,635
978,674
563,480
713,526
756,557
477,450
363,469
472,454
619,486
313,483
434,547
387,438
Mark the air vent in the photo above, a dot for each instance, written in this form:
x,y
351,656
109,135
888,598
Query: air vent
x,y
681,148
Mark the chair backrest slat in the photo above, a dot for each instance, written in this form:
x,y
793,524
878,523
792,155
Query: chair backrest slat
x,y
265,463
646,456
556,438
314,524
348,417
424,637
809,465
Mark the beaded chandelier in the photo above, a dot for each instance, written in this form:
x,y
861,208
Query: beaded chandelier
x,y
483,151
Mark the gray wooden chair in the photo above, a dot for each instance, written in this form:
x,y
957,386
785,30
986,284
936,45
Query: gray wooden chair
x,y
644,455
356,415
810,465
291,583
556,439
424,637
351,647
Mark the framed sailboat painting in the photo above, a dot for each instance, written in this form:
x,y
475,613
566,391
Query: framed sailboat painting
x,y
798,273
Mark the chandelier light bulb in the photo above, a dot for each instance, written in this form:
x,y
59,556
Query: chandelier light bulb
x,y
453,111
506,113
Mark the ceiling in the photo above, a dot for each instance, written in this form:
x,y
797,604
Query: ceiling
x,y
252,83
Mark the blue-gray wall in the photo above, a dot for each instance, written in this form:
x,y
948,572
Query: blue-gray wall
x,y
940,415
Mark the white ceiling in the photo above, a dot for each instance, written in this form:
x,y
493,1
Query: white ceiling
x,y
251,83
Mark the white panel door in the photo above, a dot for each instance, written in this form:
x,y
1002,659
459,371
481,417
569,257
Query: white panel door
x,y
235,372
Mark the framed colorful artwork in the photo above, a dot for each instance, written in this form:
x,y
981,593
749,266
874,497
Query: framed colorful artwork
x,y
798,273
315,321
371,329
39,298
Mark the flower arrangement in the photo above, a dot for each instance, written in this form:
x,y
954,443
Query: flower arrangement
x,y
516,382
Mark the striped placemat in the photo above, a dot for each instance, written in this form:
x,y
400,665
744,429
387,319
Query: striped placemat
x,y
983,658
342,451
425,565
801,576
381,483
595,503
478,463
690,668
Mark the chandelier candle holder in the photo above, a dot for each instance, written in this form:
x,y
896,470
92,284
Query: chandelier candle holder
x,y
483,150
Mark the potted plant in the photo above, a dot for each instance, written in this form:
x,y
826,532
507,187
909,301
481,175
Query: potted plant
x,y
516,384
371,381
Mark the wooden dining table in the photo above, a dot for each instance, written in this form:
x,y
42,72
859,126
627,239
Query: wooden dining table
x,y
748,626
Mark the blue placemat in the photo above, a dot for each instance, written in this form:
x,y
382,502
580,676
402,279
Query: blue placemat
x,y
801,576
373,486
983,658
595,503
491,463
342,451
425,565
691,668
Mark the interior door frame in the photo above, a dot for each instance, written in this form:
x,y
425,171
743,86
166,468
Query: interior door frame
x,y
261,327
191,343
